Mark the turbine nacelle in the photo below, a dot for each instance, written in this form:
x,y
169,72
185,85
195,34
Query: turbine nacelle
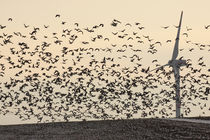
x,y
177,63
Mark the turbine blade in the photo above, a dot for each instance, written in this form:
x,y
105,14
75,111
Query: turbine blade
x,y
176,46
160,67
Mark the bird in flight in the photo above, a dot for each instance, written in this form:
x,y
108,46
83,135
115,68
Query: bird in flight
x,y
76,24
115,20
176,26
165,27
140,28
188,41
2,27
63,22
137,23
206,27
128,24
26,26
46,26
57,15
188,29
185,34
114,24
10,19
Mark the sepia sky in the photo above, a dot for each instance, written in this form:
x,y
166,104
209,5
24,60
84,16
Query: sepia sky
x,y
153,14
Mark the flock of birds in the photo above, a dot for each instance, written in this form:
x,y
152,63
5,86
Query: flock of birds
x,y
60,76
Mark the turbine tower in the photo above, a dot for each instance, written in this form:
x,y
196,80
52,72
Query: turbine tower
x,y
176,64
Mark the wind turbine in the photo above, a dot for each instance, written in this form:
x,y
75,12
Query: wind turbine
x,y
176,64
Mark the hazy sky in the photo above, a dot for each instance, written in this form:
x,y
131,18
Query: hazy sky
x,y
153,14
150,13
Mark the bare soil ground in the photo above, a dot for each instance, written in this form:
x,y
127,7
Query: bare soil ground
x,y
108,130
